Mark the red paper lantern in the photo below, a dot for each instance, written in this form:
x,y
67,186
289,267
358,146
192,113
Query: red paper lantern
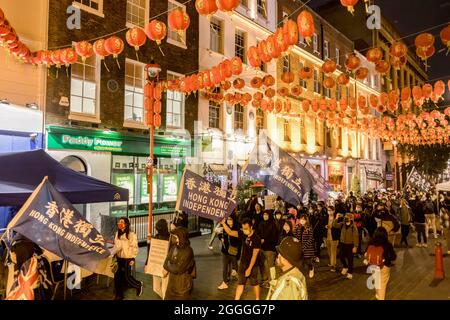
x,y
256,83
283,91
296,91
306,73
349,4
5,28
236,64
343,104
287,106
278,106
136,38
305,23
398,63
56,58
315,105
382,67
439,88
2,17
114,45
288,77
374,55
424,40
280,43
68,56
226,85
398,50
206,7
269,80
253,57
84,49
425,54
217,75
263,52
226,69
427,90
445,37
373,100
353,62
156,31
329,83
290,31
362,102
270,93
344,79
228,5
179,20
258,96
238,84
99,49
329,66
362,73
305,105
272,47
157,120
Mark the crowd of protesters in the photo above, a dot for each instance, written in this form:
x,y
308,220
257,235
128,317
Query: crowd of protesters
x,y
365,227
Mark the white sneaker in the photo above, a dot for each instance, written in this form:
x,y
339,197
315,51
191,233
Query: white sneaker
x,y
424,245
349,276
418,245
234,273
317,260
311,273
210,247
222,286
344,271
435,236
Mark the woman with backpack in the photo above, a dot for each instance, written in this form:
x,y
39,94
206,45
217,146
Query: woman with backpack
x,y
380,253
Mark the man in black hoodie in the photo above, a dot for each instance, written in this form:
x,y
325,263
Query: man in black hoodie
x,y
388,221
268,232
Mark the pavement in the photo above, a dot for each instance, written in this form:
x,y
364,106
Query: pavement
x,y
412,278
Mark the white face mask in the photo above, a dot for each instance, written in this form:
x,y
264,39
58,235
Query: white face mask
x,y
278,216
246,232
286,228
266,218
303,222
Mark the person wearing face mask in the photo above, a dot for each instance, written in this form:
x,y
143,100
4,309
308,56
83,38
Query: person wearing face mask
x,y
291,284
419,223
430,216
333,235
279,221
358,216
179,266
287,230
231,250
248,264
257,217
268,232
318,222
304,233
126,248
292,214
388,221
349,242
405,219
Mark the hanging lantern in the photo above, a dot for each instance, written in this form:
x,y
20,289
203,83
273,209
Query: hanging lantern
x,y
439,88
272,48
344,79
238,84
287,106
278,106
381,109
382,67
237,68
226,69
114,45
280,43
398,50
352,103
315,105
417,95
362,102
270,93
306,73
362,73
305,105
374,55
258,96
445,37
290,31
305,23
206,80
84,49
353,62
296,91
253,57
5,28
68,56
398,63
179,21
425,54
226,85
270,105
343,104
228,5
349,4
156,31
329,67
329,83
263,52
100,50
288,77
136,38
2,17
283,91
269,80
424,40
373,100
56,58
323,104
427,90
256,104
206,7
256,83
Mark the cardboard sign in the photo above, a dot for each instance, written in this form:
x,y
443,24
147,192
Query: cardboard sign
x,y
158,253
269,202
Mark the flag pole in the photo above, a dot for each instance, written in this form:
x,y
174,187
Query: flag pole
x,y
65,278
180,189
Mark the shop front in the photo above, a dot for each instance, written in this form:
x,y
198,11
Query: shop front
x,y
371,176
121,159
336,176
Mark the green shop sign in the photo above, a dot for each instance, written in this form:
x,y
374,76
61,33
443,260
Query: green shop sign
x,y
114,142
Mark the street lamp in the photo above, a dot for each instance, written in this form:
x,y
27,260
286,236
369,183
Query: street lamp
x,y
152,71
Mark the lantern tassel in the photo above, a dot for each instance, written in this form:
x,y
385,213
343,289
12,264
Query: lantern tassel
x,y
118,64
67,72
137,56
104,63
159,47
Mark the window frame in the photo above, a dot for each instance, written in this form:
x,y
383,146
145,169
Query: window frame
x,y
262,7
82,116
337,52
89,9
286,63
316,43
220,35
326,50
260,119
146,17
129,122
302,82
212,104
240,33
286,131
235,118
170,40
316,80
183,104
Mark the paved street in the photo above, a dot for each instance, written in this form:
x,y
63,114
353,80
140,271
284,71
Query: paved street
x,y
411,279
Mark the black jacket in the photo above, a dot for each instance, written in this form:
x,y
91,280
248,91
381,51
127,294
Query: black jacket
x,y
418,212
268,231
228,241
384,215
318,223
180,264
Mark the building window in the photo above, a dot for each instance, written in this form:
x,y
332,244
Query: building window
x,y
259,120
318,134
239,44
261,8
214,115
216,38
302,82
83,86
326,50
338,56
327,92
316,43
350,142
134,91
303,129
347,93
137,12
287,131
377,149
173,36
91,6
316,81
286,63
339,138
174,106
328,137
338,92
238,117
